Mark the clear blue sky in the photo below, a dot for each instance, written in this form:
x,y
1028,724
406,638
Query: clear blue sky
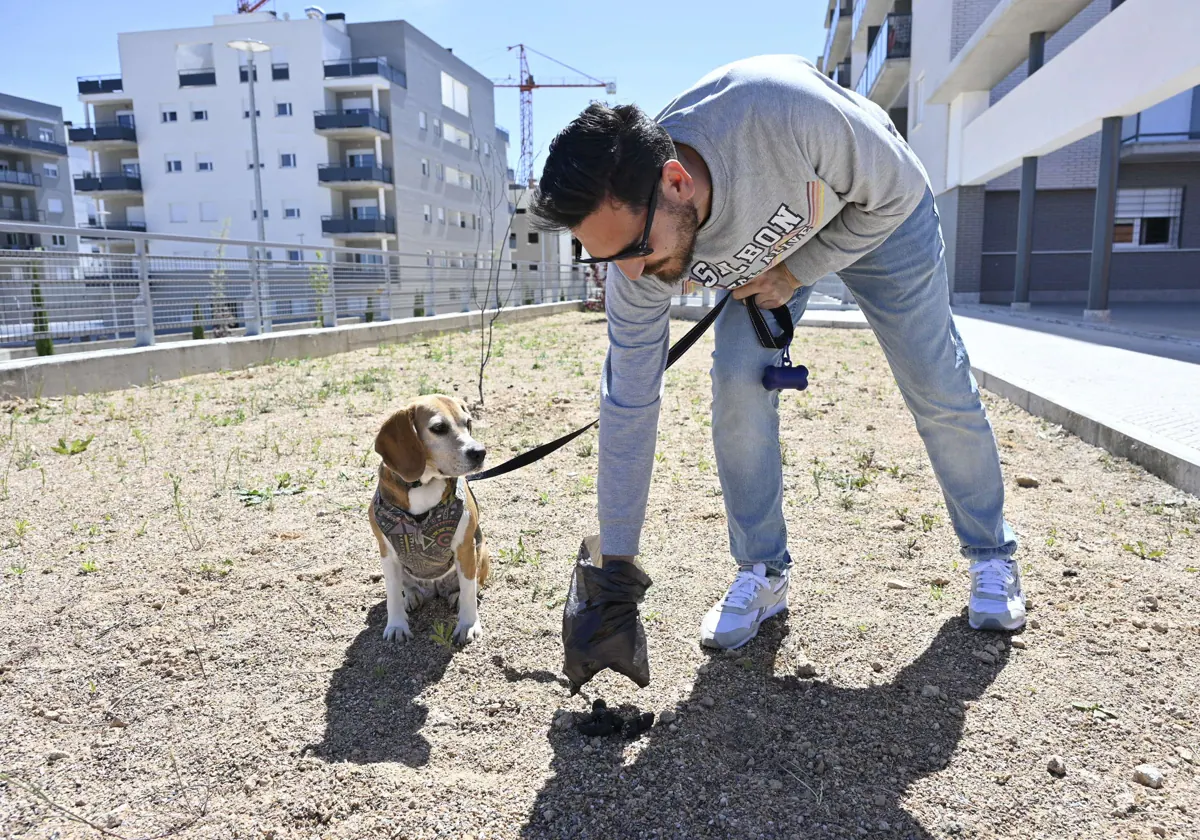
x,y
653,48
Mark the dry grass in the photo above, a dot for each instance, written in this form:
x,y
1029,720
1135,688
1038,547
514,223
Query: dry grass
x,y
191,619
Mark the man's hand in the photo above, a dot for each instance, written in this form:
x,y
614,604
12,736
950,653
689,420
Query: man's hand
x,y
774,288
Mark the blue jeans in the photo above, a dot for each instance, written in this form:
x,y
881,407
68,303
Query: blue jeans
x,y
902,290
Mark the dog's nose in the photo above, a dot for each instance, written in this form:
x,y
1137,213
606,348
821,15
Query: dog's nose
x,y
476,453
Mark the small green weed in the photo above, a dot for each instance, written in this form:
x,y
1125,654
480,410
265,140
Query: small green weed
x,y
1142,550
443,635
936,592
87,567
75,447
928,522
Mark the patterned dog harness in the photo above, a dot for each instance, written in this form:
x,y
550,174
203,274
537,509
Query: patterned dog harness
x,y
423,543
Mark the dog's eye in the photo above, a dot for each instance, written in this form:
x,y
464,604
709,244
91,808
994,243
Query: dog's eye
x,y
439,428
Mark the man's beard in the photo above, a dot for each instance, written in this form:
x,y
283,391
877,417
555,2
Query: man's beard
x,y
672,269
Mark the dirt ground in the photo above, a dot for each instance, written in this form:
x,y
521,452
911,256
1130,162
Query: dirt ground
x,y
191,615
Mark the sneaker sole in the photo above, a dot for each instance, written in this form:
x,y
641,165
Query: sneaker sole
x,y
771,613
995,623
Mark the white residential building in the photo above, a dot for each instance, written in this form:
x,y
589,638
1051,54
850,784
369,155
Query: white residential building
x,y
370,135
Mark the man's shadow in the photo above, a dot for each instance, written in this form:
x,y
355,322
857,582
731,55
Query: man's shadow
x,y
370,711
773,757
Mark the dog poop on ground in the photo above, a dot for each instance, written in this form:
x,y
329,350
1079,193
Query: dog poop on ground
x,y
604,721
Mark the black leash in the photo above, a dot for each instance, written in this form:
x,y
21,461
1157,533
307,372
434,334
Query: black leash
x,y
782,316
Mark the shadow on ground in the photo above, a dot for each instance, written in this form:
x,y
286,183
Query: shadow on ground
x,y
370,711
827,761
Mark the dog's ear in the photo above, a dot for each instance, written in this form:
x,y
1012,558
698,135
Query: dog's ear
x,y
400,447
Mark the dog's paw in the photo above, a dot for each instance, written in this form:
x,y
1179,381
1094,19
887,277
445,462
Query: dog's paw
x,y
468,631
413,597
397,631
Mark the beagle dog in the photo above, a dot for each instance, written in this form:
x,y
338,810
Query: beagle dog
x,y
424,515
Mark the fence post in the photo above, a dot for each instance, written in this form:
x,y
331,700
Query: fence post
x,y
253,313
387,285
430,307
143,315
330,314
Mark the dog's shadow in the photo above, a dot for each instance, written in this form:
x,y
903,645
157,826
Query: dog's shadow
x,y
760,755
371,711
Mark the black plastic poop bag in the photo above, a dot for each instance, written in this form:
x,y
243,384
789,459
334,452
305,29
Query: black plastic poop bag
x,y
601,625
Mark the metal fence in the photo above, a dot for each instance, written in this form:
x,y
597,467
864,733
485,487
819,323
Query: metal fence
x,y
146,286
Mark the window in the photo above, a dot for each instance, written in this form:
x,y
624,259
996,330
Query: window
x,y
437,127
50,170
533,237
54,205
208,211
254,213
441,172
46,135
244,71
174,165
425,167
421,121
204,163
170,116
457,136
295,256
199,115
283,109
178,212
455,94
512,239
487,149
291,210
58,240
1148,218
428,213
246,112
442,215
287,160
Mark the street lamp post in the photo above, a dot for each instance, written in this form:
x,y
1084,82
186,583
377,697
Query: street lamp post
x,y
251,46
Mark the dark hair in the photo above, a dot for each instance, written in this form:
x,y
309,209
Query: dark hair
x,y
604,153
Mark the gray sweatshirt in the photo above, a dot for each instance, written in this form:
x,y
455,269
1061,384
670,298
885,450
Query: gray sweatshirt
x,y
804,172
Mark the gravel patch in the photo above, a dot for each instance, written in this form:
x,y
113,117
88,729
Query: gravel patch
x,y
191,620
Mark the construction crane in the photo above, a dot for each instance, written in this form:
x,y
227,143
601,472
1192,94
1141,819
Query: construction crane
x,y
527,85
245,7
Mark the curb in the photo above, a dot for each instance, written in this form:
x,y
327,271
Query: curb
x,y
1177,465
111,370
825,321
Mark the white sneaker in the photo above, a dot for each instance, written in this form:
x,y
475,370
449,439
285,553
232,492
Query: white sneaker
x,y
751,599
997,600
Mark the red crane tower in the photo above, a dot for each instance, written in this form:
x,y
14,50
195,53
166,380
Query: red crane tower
x,y
527,85
246,6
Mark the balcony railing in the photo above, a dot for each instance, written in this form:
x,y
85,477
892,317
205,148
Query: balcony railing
x,y
110,131
335,172
136,227
375,66
21,179
100,84
894,40
860,6
280,72
346,225
109,181
199,77
21,214
325,120
1131,132
834,19
14,141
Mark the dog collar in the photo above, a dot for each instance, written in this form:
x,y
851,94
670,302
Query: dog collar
x,y
407,485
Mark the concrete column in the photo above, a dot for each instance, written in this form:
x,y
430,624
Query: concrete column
x,y
1102,224
1037,52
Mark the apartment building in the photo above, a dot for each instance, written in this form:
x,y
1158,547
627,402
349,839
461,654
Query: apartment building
x,y
35,183
529,244
1016,158
370,135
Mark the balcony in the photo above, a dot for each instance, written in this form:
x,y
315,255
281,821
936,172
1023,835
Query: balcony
x,y
1163,133
337,175
21,214
373,71
100,135
109,182
199,77
134,227
13,178
886,71
837,41
357,123
841,75
100,85
37,147
382,226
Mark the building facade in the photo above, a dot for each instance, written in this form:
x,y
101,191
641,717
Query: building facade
x,y
35,178
952,74
370,135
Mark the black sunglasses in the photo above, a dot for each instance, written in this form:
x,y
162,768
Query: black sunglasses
x,y
642,247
